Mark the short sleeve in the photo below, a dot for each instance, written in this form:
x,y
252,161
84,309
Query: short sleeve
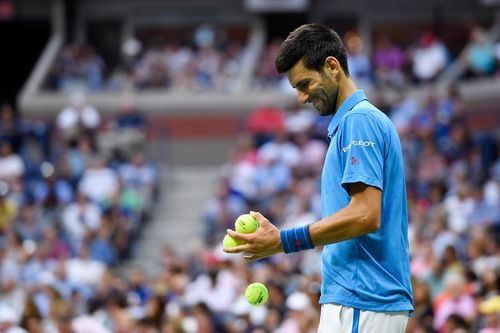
x,y
362,151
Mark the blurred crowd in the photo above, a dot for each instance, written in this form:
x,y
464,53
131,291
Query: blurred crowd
x,y
208,60
205,60
73,200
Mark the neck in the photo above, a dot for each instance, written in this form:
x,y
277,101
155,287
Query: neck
x,y
346,88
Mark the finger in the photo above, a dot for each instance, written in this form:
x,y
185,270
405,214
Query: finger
x,y
235,249
237,235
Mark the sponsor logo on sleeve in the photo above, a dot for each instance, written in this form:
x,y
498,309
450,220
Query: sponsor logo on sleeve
x,y
360,143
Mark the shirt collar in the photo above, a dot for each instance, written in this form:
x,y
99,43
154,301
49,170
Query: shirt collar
x,y
358,96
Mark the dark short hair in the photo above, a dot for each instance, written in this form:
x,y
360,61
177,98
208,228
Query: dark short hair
x,y
313,43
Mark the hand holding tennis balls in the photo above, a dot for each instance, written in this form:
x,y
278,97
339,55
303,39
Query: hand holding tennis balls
x,y
245,224
256,294
263,242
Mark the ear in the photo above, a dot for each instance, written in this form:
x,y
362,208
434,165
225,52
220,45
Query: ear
x,y
332,65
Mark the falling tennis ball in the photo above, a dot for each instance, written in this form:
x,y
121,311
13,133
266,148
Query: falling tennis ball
x,y
246,224
256,294
229,241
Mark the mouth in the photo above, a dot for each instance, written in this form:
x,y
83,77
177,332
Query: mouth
x,y
315,102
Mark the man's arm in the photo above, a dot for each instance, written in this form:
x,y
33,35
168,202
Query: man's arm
x,y
361,216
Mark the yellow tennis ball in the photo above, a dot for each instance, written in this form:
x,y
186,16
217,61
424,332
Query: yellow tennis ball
x,y
229,241
246,224
256,294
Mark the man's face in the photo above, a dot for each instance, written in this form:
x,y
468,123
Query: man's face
x,y
318,88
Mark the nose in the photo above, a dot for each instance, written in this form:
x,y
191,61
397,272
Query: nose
x,y
302,97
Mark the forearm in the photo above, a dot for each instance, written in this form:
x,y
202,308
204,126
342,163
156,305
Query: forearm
x,y
350,222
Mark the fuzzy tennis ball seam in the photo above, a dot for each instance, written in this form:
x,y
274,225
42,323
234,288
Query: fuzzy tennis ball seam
x,y
246,224
256,294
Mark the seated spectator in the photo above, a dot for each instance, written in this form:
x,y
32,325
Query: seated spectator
x,y
140,176
52,191
299,119
311,153
271,177
126,132
29,223
9,320
80,218
76,66
454,301
280,146
360,68
429,58
79,117
83,271
100,183
11,164
479,54
264,122
389,60
459,206
101,247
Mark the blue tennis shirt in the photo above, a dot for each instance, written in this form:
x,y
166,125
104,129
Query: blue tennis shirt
x,y
369,272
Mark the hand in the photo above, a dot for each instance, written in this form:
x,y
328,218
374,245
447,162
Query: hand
x,y
264,242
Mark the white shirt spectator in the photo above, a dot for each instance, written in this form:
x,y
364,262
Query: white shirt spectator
x,y
84,271
283,151
11,166
219,296
458,208
77,218
430,58
299,120
99,183
88,324
78,112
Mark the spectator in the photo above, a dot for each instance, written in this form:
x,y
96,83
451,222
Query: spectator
x,y
8,320
264,122
100,183
459,206
358,61
11,164
479,54
455,301
429,58
80,218
52,191
79,117
389,60
84,272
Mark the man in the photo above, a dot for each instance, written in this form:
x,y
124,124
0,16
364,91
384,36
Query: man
x,y
366,280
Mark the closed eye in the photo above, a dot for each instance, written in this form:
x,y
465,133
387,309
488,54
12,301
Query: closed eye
x,y
302,85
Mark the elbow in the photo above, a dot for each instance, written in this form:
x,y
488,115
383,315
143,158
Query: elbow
x,y
371,223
